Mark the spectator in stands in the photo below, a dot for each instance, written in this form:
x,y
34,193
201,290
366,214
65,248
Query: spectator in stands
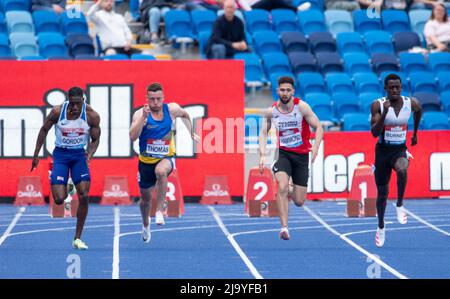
x,y
228,36
428,4
58,6
115,35
378,5
152,11
214,5
437,30
348,5
271,4
372,4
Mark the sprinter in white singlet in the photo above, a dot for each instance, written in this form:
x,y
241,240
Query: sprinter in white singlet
x,y
389,123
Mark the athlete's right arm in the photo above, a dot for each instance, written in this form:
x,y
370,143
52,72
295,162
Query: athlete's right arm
x,y
265,128
50,120
139,120
377,119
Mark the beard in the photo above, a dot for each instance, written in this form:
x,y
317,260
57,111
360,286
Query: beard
x,y
285,100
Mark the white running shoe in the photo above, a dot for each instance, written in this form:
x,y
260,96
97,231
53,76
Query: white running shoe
x,y
146,233
78,244
402,217
159,218
380,236
284,233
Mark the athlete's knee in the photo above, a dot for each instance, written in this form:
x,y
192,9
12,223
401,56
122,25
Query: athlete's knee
x,y
161,174
58,200
299,201
283,188
383,192
401,173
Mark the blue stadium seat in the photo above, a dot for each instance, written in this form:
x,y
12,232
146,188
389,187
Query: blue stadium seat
x,y
404,41
322,106
445,101
302,62
62,57
395,20
429,101
294,42
134,10
312,21
142,57
257,20
203,20
284,20
80,44
435,121
422,82
51,44
310,82
3,26
73,25
366,82
412,62
32,58
357,63
439,62
19,21
116,57
254,72
444,81
45,21
363,23
366,99
418,18
178,25
87,57
383,62
356,122
329,62
203,39
338,21
405,83
267,42
339,82
276,63
350,42
16,5
378,42
5,50
23,44
345,103
322,42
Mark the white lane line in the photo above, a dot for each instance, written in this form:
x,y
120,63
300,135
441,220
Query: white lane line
x,y
8,230
425,222
391,229
356,246
116,244
236,246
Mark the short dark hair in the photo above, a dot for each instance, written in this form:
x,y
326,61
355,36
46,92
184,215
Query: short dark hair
x,y
75,92
154,87
391,77
285,79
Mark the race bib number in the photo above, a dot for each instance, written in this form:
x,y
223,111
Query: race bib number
x,y
291,138
395,134
158,147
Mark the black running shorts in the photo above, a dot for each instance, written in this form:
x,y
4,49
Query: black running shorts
x,y
385,158
147,176
295,165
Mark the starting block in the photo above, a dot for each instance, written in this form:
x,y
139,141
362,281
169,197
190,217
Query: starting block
x,y
29,191
260,200
115,191
362,197
257,208
216,191
174,202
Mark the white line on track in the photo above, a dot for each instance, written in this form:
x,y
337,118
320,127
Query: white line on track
x,y
425,222
353,244
8,230
236,246
116,244
390,229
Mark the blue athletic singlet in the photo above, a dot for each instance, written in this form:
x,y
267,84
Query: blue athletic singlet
x,y
72,134
156,139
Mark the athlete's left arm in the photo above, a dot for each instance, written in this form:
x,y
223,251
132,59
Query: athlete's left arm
x,y
417,110
94,132
176,111
312,119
